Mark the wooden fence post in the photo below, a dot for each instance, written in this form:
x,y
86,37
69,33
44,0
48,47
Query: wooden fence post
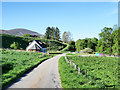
x,y
66,59
75,66
78,70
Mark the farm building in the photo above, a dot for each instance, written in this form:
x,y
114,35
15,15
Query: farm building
x,y
37,46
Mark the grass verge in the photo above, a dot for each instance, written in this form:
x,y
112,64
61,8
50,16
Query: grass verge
x,y
16,63
95,78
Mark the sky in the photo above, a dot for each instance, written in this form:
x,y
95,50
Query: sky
x,y
82,19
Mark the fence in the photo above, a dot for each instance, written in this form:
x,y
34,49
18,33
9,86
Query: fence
x,y
75,66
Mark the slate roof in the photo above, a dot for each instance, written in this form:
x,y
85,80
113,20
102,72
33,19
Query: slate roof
x,y
43,45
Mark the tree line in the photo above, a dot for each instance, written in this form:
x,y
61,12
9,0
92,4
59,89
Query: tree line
x,y
108,42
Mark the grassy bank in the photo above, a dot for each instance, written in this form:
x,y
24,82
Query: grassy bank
x,y
24,42
16,63
102,72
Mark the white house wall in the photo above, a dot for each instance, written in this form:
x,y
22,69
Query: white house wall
x,y
32,45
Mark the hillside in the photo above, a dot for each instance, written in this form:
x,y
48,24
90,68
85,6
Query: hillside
x,y
23,42
19,32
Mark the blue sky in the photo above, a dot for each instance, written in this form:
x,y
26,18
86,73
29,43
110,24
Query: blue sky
x,y
82,19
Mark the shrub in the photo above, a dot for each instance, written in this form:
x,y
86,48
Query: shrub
x,y
15,45
87,50
71,48
26,35
71,42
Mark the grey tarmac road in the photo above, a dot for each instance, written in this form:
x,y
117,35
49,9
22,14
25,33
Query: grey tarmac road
x,y
45,75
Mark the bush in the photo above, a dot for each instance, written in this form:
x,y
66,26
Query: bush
x,y
71,43
15,45
71,48
87,50
26,35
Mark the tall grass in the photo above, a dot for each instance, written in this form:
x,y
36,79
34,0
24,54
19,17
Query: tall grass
x,y
101,72
16,63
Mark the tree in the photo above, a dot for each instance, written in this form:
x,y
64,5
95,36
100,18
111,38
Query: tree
x,y
57,34
77,45
90,44
101,46
66,37
81,44
71,46
48,33
116,39
71,42
15,45
52,33
106,36
86,43
95,41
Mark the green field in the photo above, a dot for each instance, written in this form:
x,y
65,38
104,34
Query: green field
x,y
16,63
102,72
78,54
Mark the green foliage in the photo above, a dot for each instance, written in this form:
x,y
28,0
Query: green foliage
x,y
71,42
102,72
108,42
57,34
26,35
87,50
52,33
86,43
106,37
7,40
16,63
66,48
23,42
77,45
116,40
15,45
71,46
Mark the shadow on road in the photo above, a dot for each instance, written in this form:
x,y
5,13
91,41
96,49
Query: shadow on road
x,y
25,74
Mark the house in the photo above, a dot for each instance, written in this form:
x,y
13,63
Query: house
x,y
37,46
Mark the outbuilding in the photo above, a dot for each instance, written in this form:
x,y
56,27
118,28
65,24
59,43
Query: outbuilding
x,y
37,46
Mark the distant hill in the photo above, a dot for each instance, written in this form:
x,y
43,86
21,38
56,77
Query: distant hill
x,y
19,32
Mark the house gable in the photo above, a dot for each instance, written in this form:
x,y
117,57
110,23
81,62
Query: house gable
x,y
35,45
